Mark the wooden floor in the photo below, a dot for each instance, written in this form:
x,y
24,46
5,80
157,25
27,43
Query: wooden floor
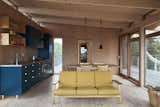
x,y
41,96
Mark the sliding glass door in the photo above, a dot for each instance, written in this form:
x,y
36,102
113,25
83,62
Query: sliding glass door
x,y
129,56
134,59
123,55
152,58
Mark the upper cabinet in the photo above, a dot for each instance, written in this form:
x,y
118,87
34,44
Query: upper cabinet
x,y
7,23
33,37
11,32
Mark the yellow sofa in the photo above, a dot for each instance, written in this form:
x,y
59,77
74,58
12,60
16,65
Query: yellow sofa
x,y
87,84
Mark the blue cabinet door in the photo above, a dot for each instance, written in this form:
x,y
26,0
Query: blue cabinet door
x,y
26,77
10,78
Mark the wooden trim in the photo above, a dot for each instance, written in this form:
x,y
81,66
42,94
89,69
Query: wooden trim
x,y
96,96
137,83
119,55
128,56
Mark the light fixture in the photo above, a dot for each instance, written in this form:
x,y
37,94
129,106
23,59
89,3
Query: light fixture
x,y
100,46
100,22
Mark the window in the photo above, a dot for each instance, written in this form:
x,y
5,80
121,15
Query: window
x,y
83,50
134,60
4,39
152,29
135,35
152,55
83,53
134,56
123,55
152,58
58,55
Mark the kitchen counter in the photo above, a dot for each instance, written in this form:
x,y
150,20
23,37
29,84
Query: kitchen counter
x,y
10,65
17,79
20,65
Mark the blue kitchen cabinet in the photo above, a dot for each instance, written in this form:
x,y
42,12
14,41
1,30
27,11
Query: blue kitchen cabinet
x,y
33,37
26,77
20,78
11,80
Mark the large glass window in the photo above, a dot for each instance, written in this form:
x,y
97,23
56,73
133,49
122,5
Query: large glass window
x,y
152,29
152,59
58,58
123,55
134,59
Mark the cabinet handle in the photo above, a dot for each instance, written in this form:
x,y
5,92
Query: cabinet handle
x,y
25,74
25,80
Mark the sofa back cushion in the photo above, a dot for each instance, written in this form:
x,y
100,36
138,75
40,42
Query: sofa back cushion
x,y
85,79
68,79
103,78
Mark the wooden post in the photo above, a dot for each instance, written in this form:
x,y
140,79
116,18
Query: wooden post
x,y
142,54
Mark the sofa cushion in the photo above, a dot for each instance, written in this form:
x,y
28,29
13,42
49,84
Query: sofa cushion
x,y
86,91
85,79
108,90
68,79
103,78
65,91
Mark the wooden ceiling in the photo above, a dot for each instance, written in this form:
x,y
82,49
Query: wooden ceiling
x,y
114,14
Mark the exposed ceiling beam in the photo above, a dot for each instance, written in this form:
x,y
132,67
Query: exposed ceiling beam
x,y
141,4
89,15
51,26
84,22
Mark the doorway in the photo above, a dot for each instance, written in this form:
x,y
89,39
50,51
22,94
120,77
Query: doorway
x,y
58,59
83,50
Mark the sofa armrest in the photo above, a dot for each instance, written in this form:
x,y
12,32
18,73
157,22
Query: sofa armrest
x,y
117,82
57,84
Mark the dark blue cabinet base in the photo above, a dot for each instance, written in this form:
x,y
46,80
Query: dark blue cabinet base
x,y
17,80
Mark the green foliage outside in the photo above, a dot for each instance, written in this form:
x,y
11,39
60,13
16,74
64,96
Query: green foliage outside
x,y
57,53
58,49
134,47
153,48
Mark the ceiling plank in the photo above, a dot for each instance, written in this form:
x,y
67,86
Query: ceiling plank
x,y
80,7
74,14
141,4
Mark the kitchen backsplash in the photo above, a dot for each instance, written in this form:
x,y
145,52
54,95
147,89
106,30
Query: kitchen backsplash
x,y
8,54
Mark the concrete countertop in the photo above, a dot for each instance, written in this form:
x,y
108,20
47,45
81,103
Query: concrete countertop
x,y
10,65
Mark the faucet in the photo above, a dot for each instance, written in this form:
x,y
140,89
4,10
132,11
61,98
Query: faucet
x,y
17,58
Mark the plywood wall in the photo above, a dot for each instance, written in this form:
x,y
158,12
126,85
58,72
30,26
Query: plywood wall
x,y
8,54
107,37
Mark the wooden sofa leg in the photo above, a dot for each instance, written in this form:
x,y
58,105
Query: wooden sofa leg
x,y
120,99
54,100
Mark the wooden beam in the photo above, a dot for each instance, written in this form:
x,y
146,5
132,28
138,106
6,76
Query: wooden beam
x,y
74,14
150,19
141,4
81,22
